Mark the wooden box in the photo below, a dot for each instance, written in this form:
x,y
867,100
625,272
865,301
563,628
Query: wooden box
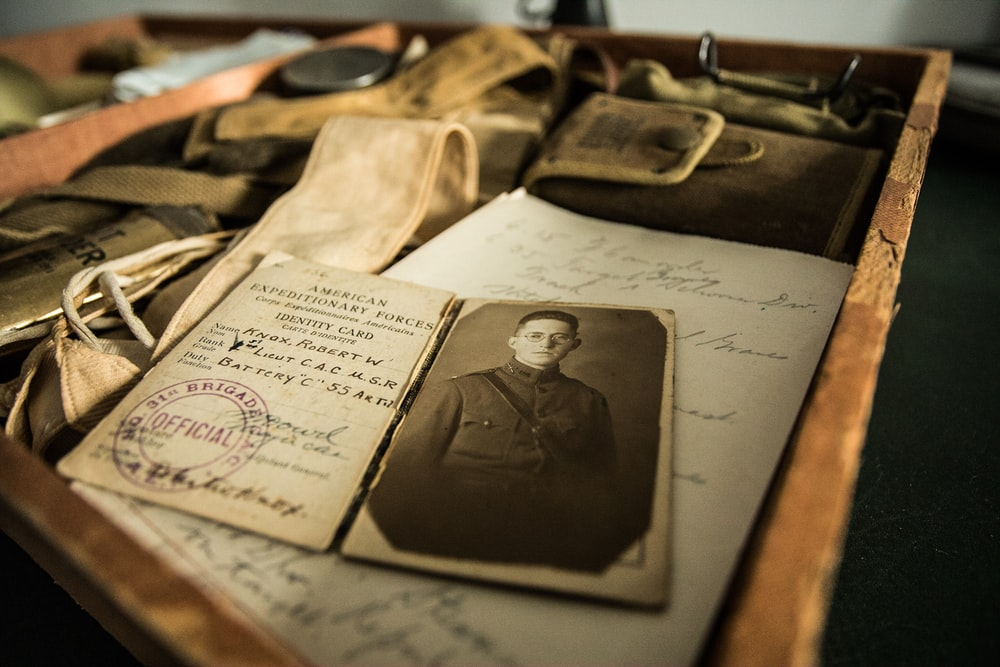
x,y
775,610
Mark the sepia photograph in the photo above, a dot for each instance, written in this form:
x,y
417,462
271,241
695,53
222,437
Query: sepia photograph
x,y
536,440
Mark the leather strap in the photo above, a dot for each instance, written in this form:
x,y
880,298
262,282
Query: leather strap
x,y
525,412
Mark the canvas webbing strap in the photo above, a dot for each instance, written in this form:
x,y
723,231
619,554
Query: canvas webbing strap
x,y
453,75
104,193
235,195
32,219
864,116
368,187
256,150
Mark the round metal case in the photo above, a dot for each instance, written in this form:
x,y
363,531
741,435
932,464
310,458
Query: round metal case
x,y
336,69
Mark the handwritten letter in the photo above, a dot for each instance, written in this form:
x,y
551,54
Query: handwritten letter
x,y
751,325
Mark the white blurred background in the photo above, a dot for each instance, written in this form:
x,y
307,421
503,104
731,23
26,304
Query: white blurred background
x,y
946,23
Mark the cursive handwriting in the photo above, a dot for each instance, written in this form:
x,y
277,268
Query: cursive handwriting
x,y
178,478
542,276
554,261
396,625
694,478
551,277
708,416
276,575
422,624
511,291
784,301
727,343
283,431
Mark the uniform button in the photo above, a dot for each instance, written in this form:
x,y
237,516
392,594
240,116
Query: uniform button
x,y
487,423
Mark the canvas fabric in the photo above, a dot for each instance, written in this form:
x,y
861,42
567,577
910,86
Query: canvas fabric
x,y
626,160
345,180
863,115
88,360
352,207
506,87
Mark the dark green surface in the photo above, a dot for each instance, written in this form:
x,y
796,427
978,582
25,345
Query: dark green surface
x,y
920,580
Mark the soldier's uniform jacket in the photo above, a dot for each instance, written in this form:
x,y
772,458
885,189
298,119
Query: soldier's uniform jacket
x,y
476,429
470,477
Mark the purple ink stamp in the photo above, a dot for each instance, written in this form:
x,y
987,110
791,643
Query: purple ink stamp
x,y
190,434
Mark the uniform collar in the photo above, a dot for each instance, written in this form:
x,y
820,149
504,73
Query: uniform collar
x,y
529,375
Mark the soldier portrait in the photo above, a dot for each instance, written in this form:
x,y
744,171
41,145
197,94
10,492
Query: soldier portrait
x,y
541,453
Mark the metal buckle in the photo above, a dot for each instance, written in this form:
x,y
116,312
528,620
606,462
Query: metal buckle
x,y
708,59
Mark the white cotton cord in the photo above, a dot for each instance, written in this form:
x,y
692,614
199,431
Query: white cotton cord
x,y
76,285
110,287
145,269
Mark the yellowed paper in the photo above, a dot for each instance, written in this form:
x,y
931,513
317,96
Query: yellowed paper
x,y
747,351
266,416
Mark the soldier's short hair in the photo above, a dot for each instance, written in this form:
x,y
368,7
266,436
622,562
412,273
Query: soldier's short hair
x,y
560,315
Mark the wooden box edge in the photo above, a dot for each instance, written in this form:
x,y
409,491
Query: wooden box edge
x,y
769,617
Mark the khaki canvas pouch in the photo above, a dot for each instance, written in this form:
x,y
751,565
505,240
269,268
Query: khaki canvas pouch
x,y
368,187
685,169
